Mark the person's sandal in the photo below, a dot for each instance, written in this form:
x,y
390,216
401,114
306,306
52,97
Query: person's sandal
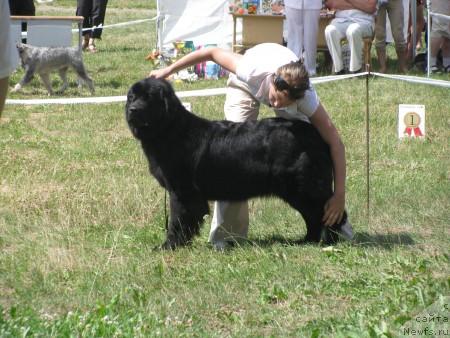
x,y
84,44
91,46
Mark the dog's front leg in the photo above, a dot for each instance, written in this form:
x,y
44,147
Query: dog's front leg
x,y
186,217
27,77
47,83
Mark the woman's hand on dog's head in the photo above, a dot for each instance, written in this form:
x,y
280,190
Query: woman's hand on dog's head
x,y
159,73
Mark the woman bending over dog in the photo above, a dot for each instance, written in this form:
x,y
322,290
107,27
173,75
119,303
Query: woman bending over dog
x,y
270,74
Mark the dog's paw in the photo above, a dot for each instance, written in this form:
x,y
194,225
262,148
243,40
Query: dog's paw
x,y
16,88
168,245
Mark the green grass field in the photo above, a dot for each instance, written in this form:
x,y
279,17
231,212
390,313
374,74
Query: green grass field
x,y
80,217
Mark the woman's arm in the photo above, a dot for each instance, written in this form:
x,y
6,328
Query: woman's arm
x,y
334,208
224,58
368,6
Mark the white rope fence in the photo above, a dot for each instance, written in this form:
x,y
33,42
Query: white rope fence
x,y
222,91
120,24
415,79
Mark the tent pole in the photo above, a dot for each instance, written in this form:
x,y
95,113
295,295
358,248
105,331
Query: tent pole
x,y
428,36
158,26
414,27
367,147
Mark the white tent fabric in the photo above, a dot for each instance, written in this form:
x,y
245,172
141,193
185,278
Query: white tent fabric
x,y
203,22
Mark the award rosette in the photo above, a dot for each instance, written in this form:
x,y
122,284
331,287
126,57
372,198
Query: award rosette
x,y
411,121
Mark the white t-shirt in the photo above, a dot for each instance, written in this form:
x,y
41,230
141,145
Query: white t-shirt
x,y
9,57
303,4
256,69
354,15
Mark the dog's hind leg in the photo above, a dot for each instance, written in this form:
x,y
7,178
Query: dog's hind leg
x,y
312,213
186,217
63,75
47,83
82,74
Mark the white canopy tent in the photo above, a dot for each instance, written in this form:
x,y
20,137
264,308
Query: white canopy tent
x,y
203,22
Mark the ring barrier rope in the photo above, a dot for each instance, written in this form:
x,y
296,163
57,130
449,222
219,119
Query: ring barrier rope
x,y
323,79
112,99
415,79
222,91
120,24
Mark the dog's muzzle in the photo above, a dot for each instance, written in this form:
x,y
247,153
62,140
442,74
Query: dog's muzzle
x,y
134,118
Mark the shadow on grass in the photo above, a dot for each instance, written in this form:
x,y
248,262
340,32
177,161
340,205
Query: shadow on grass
x,y
386,241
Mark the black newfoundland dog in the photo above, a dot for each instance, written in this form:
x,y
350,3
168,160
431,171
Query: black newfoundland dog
x,y
197,160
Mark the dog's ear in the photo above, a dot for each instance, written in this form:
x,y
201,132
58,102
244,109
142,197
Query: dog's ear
x,y
163,97
168,93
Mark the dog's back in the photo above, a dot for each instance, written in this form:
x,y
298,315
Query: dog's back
x,y
46,59
264,157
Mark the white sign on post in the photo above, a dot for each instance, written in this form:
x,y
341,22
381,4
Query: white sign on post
x,y
411,121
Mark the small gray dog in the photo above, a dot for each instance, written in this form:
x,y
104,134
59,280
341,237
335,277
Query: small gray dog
x,y
44,60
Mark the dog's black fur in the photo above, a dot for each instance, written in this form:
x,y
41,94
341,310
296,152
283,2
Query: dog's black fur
x,y
197,160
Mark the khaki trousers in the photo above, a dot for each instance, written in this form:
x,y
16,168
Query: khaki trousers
x,y
230,219
394,8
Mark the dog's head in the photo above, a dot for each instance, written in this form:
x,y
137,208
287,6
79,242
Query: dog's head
x,y
151,107
23,50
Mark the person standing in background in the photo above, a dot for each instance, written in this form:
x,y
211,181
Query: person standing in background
x,y
9,57
24,8
302,20
420,26
440,36
93,12
393,8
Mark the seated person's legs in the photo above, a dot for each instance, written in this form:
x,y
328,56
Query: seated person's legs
x,y
440,40
355,34
334,32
